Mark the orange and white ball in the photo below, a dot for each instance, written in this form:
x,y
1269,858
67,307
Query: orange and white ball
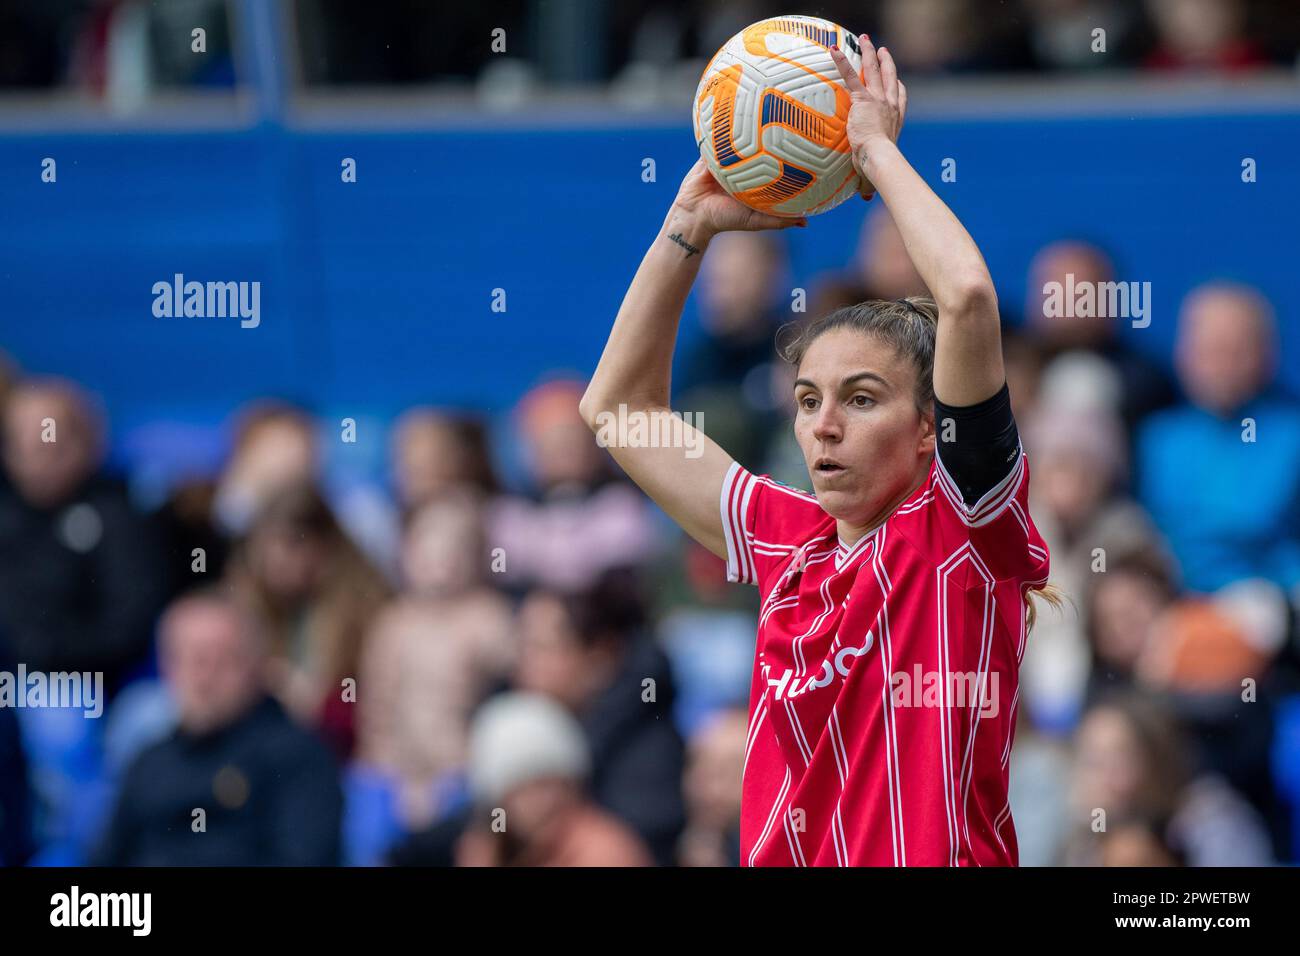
x,y
770,116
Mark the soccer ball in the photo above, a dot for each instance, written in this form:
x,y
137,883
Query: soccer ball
x,y
770,116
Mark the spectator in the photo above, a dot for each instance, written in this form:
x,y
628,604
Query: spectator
x,y
1039,791
126,49
1211,658
1024,367
1078,462
1123,606
185,521
528,763
730,374
1241,517
592,652
938,36
742,300
315,596
433,453
1132,761
1198,646
275,448
1137,843
1202,35
269,792
1071,264
430,453
579,519
1061,33
712,785
431,657
882,267
707,629
81,574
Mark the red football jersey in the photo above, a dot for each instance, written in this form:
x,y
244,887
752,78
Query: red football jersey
x,y
882,707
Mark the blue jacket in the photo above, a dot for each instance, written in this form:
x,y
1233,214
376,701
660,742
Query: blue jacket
x,y
1230,508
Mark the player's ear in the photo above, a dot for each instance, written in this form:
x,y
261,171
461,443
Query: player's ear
x,y
926,445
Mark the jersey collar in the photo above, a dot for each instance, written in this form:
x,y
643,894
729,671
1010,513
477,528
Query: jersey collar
x,y
845,553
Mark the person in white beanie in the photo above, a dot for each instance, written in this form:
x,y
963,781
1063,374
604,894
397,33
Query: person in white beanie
x,y
528,766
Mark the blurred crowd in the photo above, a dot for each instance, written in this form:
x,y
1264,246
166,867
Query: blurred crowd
x,y
118,48
477,660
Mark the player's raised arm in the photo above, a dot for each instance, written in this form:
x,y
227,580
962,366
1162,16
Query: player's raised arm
x,y
968,349
632,381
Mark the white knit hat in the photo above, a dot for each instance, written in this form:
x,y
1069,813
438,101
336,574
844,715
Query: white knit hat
x,y
518,737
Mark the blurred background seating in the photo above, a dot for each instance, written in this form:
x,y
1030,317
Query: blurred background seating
x,y
423,585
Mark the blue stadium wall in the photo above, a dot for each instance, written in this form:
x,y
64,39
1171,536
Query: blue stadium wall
x,y
377,295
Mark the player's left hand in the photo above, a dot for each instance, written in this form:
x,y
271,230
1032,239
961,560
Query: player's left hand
x,y
879,103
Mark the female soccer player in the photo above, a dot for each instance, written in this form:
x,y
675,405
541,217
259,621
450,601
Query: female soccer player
x,y
895,600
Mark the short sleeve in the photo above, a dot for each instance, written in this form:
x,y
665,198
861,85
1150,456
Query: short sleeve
x,y
998,525
764,523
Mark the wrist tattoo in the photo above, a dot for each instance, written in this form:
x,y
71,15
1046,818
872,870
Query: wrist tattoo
x,y
690,249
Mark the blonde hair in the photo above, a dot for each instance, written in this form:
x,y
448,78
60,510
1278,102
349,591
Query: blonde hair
x,y
1049,594
909,326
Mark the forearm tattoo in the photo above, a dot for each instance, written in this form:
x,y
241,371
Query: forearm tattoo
x,y
690,249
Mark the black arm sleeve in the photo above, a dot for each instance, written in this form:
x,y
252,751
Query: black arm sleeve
x,y
977,444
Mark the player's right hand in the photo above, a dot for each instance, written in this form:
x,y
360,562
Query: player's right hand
x,y
702,198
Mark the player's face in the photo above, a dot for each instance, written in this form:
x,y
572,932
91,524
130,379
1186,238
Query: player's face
x,y
863,439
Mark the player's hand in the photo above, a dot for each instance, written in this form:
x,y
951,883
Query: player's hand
x,y
879,103
702,199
